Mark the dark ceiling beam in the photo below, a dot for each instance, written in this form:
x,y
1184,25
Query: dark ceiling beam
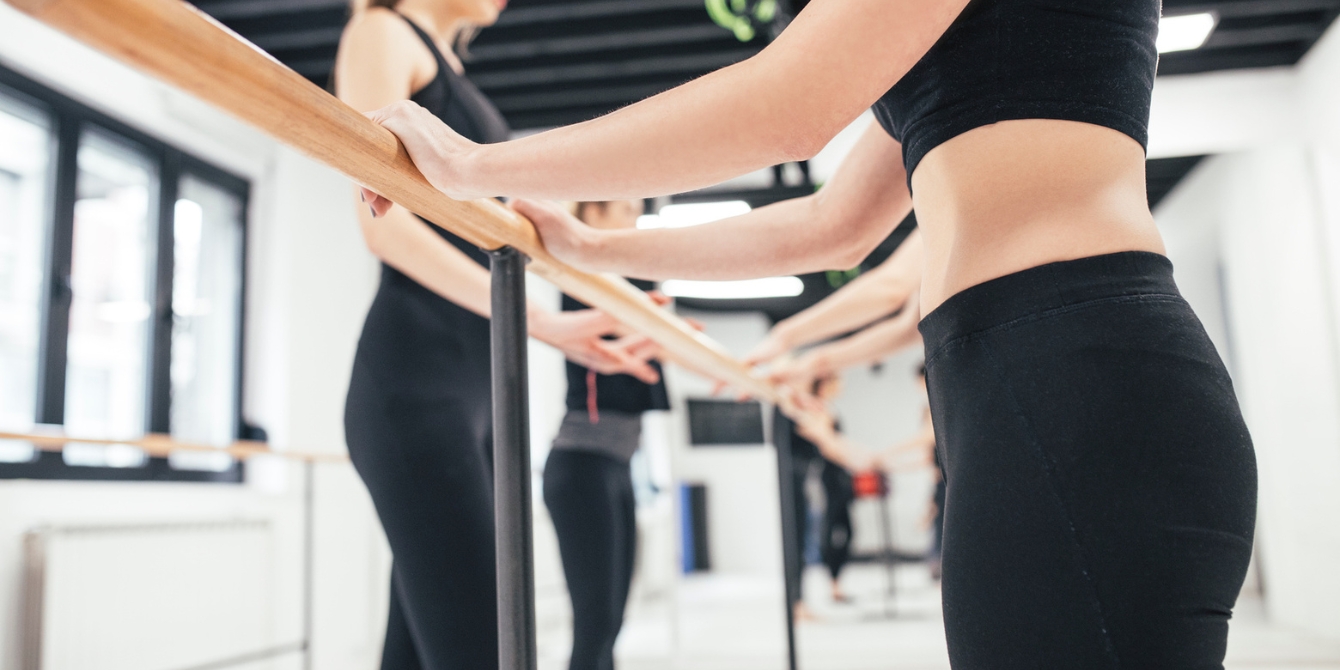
x,y
553,119
233,10
693,64
1212,60
312,68
1304,32
589,43
1244,8
590,10
1164,174
583,98
298,39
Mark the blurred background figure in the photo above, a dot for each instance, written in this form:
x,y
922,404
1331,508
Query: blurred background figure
x,y
588,487
834,534
920,451
418,418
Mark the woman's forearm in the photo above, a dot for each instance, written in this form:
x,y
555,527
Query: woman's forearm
x,y
832,229
675,142
873,295
784,238
409,245
870,345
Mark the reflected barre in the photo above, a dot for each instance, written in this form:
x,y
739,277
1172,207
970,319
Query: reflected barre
x,y
157,445
182,46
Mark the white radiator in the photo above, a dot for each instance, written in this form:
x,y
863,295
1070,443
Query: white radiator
x,y
148,597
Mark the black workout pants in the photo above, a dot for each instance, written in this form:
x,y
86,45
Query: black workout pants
x,y
1101,484
427,462
590,500
835,535
835,530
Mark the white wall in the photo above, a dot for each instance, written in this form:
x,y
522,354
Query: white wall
x,y
744,517
880,407
1253,236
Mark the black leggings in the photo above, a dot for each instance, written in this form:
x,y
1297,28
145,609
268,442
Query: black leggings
x,y
835,536
419,428
590,499
1101,483
834,533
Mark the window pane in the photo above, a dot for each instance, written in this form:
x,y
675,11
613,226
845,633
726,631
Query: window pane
x,y
112,266
25,160
206,308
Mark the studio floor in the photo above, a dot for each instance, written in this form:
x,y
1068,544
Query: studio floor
x,y
725,622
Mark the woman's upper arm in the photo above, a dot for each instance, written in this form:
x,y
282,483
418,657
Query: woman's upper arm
x,y
839,56
865,199
376,64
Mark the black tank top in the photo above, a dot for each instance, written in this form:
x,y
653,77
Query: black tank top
x,y
1074,60
618,393
415,342
460,104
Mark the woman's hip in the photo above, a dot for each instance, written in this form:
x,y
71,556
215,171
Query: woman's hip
x,y
1101,483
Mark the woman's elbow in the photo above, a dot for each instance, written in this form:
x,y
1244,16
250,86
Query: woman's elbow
x,y
851,251
374,237
803,144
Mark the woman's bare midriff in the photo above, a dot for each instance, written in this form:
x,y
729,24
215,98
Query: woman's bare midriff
x,y
1018,194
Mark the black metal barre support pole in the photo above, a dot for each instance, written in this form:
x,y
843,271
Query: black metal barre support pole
x,y
791,559
511,464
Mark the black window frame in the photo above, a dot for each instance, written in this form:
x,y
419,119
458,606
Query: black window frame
x,y
69,120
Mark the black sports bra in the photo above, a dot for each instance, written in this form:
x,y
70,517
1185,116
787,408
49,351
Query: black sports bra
x,y
1074,60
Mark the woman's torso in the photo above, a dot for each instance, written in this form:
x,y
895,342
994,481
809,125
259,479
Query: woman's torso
x,y
605,411
1025,127
411,332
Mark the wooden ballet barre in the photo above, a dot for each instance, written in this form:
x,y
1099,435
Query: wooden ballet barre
x,y
184,47
158,445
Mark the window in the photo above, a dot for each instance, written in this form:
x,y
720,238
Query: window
x,y
111,282
121,287
25,185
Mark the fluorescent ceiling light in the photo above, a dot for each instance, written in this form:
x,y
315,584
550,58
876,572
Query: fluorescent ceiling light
x,y
1186,32
771,287
694,214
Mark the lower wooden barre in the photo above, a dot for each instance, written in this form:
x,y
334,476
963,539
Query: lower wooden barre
x,y
160,446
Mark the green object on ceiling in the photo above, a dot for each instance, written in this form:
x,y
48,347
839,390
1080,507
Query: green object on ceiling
x,y
742,17
839,278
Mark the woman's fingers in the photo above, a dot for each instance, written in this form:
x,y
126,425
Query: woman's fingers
x,y
660,298
438,151
640,347
618,361
766,351
563,235
379,204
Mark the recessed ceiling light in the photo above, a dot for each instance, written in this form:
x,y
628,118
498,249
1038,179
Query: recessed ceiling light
x,y
771,287
1186,32
693,214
